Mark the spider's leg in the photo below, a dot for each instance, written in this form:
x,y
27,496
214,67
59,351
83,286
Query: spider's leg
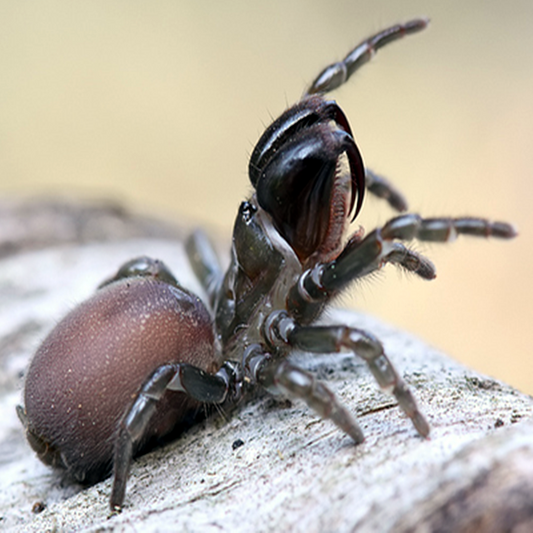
x,y
353,263
361,257
196,383
337,74
142,266
333,339
205,263
398,254
282,376
384,189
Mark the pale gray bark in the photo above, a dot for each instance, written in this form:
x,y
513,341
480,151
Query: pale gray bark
x,y
294,472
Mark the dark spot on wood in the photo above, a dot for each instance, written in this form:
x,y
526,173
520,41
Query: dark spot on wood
x,y
38,507
237,444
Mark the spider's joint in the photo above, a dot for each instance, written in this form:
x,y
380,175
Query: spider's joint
x,y
277,328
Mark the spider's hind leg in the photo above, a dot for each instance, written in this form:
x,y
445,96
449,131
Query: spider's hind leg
x,y
195,382
205,263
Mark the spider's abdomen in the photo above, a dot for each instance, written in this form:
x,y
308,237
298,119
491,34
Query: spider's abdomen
x,y
90,368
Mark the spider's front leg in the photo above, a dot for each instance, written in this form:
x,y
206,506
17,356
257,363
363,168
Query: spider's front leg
x,y
382,188
360,257
337,74
316,287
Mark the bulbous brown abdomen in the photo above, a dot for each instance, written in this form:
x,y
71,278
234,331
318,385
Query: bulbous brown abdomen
x,y
89,369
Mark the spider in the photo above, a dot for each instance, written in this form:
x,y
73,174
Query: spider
x,y
289,260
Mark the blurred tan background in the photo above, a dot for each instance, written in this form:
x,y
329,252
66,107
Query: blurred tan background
x,y
158,104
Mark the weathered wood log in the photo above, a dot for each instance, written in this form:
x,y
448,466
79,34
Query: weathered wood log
x,y
270,465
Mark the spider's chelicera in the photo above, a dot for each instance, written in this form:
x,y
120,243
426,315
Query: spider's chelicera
x,y
289,259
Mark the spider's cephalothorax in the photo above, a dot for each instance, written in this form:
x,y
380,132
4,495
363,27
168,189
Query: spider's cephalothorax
x,y
289,259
